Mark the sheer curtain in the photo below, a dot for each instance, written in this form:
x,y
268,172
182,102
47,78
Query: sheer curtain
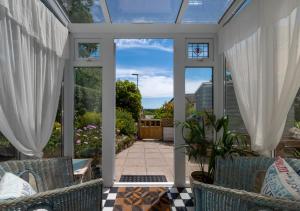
x,y
262,47
32,56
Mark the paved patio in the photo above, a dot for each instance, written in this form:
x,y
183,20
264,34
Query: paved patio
x,y
149,158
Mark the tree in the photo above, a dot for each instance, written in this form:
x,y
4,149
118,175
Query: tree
x,y
78,12
128,98
88,83
166,111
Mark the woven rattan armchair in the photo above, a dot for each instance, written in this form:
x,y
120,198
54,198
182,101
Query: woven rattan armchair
x,y
55,186
234,187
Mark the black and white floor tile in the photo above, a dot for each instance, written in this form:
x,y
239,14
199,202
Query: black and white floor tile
x,y
181,199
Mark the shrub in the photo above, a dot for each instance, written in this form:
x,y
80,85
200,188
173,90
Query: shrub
x,y
53,147
87,118
88,142
125,122
123,142
166,111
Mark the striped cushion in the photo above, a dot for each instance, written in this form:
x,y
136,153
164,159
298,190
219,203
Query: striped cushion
x,y
281,181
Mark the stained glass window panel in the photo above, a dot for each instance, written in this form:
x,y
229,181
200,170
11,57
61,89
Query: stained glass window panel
x,y
198,50
89,51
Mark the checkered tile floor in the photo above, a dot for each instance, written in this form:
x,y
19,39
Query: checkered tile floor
x,y
181,199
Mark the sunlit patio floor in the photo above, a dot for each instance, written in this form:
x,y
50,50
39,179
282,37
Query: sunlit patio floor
x,y
149,158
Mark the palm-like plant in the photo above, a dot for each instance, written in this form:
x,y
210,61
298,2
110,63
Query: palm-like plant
x,y
199,148
196,143
227,143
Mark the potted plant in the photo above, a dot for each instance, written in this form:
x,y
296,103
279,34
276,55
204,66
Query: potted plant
x,y
295,131
199,148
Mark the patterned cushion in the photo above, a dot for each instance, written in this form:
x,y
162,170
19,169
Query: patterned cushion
x,y
12,186
281,181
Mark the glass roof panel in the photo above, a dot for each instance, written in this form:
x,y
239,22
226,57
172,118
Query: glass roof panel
x,y
205,11
143,11
83,11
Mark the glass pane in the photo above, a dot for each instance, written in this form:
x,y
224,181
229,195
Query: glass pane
x,y
198,97
54,146
289,146
89,51
199,89
87,119
143,11
7,151
236,122
198,50
205,11
83,11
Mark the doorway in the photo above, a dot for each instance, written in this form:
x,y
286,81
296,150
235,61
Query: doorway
x,y
144,110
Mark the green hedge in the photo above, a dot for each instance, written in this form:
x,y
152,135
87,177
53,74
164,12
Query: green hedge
x,y
125,123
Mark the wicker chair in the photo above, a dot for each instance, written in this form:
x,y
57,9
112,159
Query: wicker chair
x,y
234,186
55,185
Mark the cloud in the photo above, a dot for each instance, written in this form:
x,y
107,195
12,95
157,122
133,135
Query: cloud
x,y
191,86
142,71
153,82
144,44
156,86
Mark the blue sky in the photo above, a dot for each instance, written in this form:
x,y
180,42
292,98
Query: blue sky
x,y
152,59
145,11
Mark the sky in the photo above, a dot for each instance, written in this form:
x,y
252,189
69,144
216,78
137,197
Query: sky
x,y
145,11
152,59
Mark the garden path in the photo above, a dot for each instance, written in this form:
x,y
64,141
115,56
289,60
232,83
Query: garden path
x,y
149,158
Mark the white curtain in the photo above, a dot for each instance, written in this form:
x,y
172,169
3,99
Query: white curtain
x,y
32,56
262,47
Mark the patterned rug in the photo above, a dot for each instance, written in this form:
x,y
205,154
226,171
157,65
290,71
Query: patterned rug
x,y
142,199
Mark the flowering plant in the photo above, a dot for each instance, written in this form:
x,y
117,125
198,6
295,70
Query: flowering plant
x,y
88,141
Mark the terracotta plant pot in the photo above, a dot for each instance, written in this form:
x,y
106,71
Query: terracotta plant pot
x,y
200,177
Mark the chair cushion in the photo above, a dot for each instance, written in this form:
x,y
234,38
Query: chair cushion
x,y
12,186
281,181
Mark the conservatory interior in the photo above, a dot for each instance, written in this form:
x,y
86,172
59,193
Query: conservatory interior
x,y
235,140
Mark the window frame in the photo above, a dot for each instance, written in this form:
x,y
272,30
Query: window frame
x,y
80,62
199,61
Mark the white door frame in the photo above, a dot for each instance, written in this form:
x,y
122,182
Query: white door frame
x,y
107,51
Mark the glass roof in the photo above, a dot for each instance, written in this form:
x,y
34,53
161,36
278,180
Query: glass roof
x,y
205,11
83,11
146,11
143,11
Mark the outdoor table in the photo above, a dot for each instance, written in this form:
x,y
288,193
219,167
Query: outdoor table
x,y
82,169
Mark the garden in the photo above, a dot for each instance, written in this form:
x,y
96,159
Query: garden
x,y
88,118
